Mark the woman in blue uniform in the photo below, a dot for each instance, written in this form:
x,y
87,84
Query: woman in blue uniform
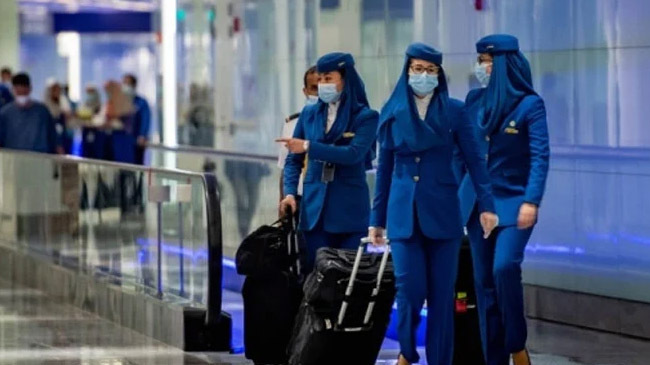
x,y
416,203
337,133
510,121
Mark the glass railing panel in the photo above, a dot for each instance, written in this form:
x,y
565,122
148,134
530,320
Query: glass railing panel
x,y
109,221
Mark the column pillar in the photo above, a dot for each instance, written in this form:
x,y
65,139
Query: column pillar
x,y
9,34
224,63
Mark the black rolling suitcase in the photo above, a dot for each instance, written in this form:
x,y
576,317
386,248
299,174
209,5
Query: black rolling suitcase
x,y
345,312
467,348
272,290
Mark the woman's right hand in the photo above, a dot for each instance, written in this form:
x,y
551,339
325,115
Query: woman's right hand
x,y
377,236
289,202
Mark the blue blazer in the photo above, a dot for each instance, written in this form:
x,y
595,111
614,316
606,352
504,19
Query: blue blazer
x,y
142,120
518,158
424,182
343,205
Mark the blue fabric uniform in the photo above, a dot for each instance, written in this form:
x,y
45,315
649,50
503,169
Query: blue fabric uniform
x,y
416,201
141,126
135,125
6,96
29,128
334,213
142,121
510,122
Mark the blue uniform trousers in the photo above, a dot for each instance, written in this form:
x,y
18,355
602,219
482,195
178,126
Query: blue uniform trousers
x,y
425,269
499,292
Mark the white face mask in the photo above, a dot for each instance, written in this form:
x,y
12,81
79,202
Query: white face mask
x,y
22,100
483,77
311,100
128,90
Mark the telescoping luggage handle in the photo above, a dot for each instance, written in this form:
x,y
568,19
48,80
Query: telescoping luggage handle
x,y
350,288
293,244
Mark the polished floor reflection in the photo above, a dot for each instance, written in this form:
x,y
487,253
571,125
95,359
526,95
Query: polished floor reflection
x,y
36,330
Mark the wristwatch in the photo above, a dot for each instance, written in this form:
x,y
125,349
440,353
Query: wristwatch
x,y
305,145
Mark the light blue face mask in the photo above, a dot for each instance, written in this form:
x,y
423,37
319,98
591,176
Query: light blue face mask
x,y
92,98
328,93
311,100
480,71
128,90
423,84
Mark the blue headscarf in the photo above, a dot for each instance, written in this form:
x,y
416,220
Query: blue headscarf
x,y
400,126
353,97
353,100
510,80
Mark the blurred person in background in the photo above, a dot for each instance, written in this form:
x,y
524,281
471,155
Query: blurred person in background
x,y
6,95
118,109
90,115
91,106
5,77
61,113
199,127
119,120
141,117
68,104
26,124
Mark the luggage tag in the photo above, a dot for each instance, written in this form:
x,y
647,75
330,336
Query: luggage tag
x,y
328,172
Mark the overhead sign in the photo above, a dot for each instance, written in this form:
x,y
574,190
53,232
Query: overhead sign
x,y
105,22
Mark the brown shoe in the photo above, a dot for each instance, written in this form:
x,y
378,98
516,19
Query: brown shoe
x,y
402,361
521,358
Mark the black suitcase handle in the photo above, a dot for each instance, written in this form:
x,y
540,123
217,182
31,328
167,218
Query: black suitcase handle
x,y
350,288
291,220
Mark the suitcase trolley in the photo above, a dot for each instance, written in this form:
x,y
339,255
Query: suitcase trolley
x,y
272,290
344,315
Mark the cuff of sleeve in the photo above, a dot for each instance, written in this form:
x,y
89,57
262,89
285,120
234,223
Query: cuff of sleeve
x,y
487,206
533,201
315,150
376,222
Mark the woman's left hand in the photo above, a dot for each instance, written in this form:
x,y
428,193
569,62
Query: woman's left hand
x,y
527,216
294,145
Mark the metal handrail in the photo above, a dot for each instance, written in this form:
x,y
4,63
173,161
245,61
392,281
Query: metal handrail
x,y
213,208
214,152
556,151
600,152
215,251
90,161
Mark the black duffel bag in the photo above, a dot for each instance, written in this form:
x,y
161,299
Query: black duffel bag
x,y
270,249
